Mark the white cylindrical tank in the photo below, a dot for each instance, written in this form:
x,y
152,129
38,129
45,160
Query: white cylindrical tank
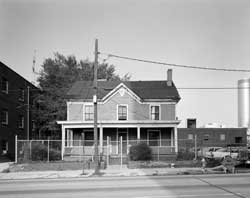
x,y
243,102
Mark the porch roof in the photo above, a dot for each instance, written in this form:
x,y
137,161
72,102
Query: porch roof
x,y
119,124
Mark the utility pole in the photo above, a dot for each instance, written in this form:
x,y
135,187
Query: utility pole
x,y
28,113
96,158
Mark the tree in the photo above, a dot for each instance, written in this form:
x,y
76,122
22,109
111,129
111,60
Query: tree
x,y
57,76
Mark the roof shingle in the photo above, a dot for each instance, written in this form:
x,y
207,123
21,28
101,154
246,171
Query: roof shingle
x,y
143,89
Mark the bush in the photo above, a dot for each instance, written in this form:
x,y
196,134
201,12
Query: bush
x,y
40,153
185,154
139,152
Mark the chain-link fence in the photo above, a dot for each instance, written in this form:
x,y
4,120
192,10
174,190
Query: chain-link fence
x,y
38,150
112,152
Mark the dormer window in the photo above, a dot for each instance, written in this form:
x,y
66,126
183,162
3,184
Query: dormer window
x,y
122,112
155,112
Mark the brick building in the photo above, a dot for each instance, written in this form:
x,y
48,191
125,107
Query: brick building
x,y
211,137
14,114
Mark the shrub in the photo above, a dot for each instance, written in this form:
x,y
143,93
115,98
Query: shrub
x,y
141,152
40,153
185,154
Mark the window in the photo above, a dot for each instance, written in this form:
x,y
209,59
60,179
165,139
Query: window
x,y
4,85
206,137
4,145
21,94
122,112
33,125
190,136
4,117
222,137
155,112
153,138
21,122
89,138
89,112
238,140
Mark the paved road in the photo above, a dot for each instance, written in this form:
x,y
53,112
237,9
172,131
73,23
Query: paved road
x,y
216,186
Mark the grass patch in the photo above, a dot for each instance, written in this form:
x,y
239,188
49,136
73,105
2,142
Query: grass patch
x,y
45,166
163,164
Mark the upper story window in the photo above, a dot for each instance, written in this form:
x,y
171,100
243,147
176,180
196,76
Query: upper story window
x,y
4,85
4,117
155,112
21,122
21,94
89,112
122,112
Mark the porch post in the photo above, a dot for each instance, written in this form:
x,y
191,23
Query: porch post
x,y
138,133
71,138
63,141
175,139
101,137
172,138
67,138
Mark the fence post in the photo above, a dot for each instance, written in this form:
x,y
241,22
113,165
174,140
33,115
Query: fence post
x,y
195,147
83,138
121,149
158,150
30,149
15,148
107,151
48,150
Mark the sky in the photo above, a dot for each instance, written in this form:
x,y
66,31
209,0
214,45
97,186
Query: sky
x,y
207,33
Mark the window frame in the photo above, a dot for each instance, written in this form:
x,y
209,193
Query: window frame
x,y
6,121
206,137
88,116
158,143
189,135
21,94
6,88
151,113
21,122
117,113
223,139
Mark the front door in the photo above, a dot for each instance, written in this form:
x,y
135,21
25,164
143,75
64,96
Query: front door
x,y
124,134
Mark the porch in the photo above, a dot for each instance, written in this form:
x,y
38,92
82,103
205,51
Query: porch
x,y
114,141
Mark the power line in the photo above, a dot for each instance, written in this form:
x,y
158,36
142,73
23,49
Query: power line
x,y
176,65
155,88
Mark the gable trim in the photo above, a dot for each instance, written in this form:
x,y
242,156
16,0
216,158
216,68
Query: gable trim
x,y
116,90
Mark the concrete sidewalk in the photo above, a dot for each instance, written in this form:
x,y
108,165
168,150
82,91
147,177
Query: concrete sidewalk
x,y
103,173
110,172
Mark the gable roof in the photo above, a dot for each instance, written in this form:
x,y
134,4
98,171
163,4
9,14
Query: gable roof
x,y
146,90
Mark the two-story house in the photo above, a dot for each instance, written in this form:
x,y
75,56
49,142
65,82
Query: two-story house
x,y
135,110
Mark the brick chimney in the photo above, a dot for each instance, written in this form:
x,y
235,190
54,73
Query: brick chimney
x,y
169,77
